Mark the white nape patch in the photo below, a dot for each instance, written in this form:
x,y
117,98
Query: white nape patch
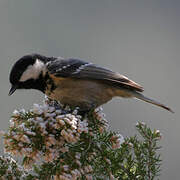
x,y
81,67
33,71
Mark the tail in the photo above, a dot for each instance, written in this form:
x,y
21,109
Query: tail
x,y
142,97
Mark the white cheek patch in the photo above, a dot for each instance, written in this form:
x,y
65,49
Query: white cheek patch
x,y
33,71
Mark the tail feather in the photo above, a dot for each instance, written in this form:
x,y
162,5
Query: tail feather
x,y
142,97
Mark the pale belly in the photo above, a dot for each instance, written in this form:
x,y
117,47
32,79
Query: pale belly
x,y
81,93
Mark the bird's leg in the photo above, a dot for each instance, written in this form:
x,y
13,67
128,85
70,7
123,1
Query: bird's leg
x,y
87,110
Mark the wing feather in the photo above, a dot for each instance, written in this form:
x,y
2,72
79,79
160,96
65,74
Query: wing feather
x,y
83,70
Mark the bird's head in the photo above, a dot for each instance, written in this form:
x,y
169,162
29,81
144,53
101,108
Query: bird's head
x,y
27,73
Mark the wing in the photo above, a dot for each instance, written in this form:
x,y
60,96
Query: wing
x,y
75,68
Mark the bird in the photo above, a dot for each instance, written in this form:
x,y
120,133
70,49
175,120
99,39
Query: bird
x,y
74,82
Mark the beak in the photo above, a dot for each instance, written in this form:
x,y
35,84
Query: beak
x,y
13,89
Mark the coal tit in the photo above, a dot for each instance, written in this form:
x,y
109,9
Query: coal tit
x,y
73,82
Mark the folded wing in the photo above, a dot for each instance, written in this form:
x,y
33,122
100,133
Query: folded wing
x,y
75,68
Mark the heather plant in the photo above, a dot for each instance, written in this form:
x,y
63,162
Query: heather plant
x,y
56,142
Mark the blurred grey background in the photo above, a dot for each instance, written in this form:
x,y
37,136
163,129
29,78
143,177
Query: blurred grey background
x,y
138,38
